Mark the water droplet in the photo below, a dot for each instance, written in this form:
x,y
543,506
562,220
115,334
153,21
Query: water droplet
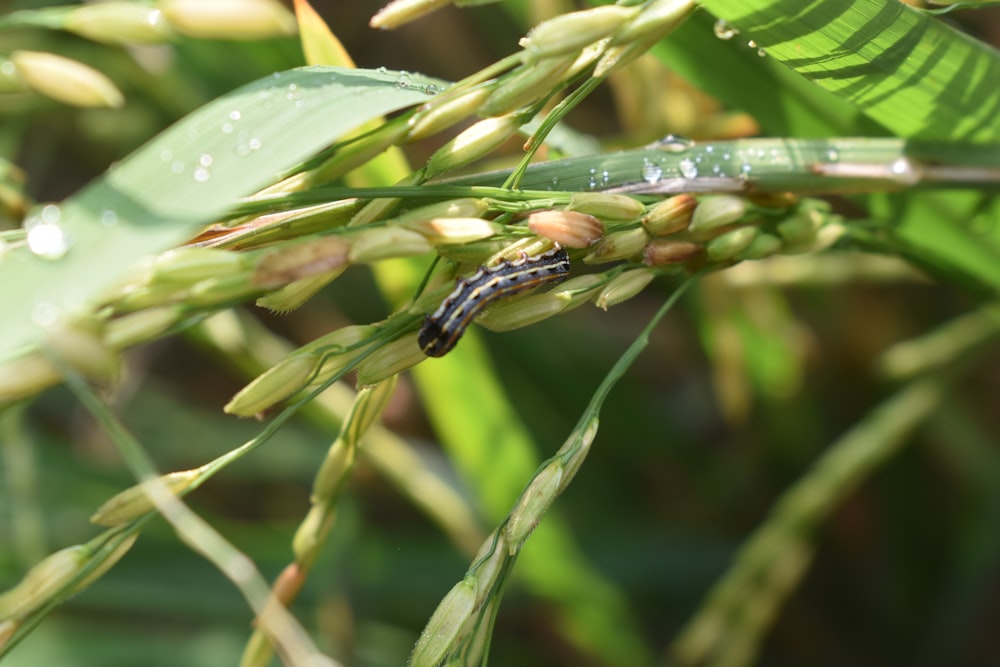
x,y
903,171
752,44
227,128
205,160
727,156
651,172
254,143
166,155
716,169
382,70
201,175
235,114
45,237
710,149
275,75
45,315
177,167
688,168
404,80
51,214
832,155
7,68
555,181
724,31
761,52
674,144
109,218
431,89
746,168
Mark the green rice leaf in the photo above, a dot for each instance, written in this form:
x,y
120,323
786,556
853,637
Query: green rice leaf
x,y
914,74
188,176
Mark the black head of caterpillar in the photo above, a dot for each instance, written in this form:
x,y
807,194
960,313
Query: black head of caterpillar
x,y
445,326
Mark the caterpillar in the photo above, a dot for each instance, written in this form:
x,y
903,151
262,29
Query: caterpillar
x,y
441,330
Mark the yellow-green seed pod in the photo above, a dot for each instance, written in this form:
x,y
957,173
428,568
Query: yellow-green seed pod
x,y
437,115
311,533
81,346
526,85
368,408
801,227
763,245
582,447
448,619
827,235
619,55
618,245
357,153
571,229
716,211
670,215
274,385
227,289
43,581
141,326
728,245
286,264
568,33
579,290
109,559
624,287
395,357
372,245
661,252
133,502
229,19
654,20
293,295
488,562
400,12
119,23
456,230
472,144
463,207
532,505
26,376
147,296
606,206
187,266
522,311
66,80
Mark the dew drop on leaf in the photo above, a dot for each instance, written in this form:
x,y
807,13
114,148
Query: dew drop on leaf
x,y
723,30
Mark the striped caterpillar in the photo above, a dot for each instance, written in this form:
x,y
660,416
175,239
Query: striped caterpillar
x,y
441,330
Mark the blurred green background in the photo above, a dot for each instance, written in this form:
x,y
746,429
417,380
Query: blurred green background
x,y
695,444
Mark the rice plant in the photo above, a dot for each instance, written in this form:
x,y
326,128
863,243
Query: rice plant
x,y
308,335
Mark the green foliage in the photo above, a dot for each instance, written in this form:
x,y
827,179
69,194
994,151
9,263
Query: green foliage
x,y
759,457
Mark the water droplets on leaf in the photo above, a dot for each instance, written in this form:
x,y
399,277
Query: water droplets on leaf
x,y
724,31
404,80
675,144
45,237
201,175
688,168
832,155
904,171
177,167
109,218
651,172
235,114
